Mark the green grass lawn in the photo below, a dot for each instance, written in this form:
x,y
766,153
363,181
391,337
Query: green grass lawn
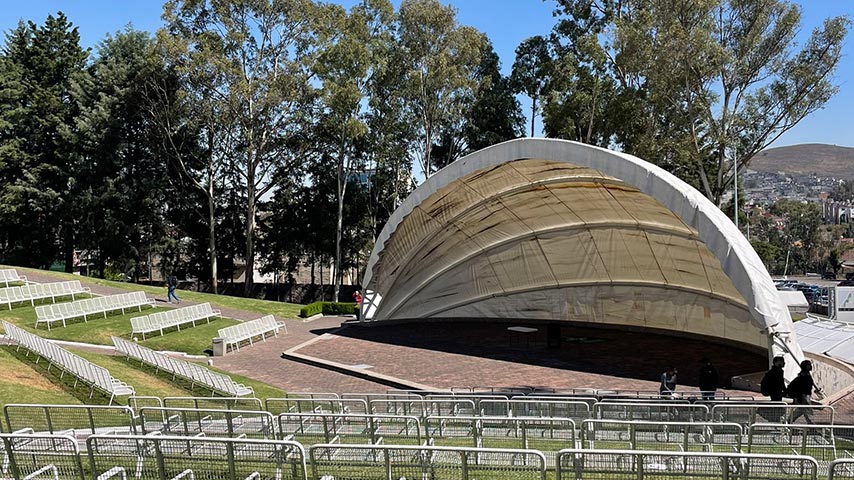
x,y
264,307
21,383
98,330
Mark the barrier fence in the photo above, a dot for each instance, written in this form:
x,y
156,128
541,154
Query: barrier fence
x,y
772,413
207,422
318,428
315,405
841,470
670,436
622,464
825,443
651,412
167,458
576,410
217,403
423,408
548,435
41,456
376,462
74,420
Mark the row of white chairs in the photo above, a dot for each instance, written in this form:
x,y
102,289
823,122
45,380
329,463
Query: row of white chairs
x,y
10,275
95,376
39,291
61,312
242,332
159,321
195,374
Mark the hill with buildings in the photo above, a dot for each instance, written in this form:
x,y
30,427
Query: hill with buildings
x,y
807,158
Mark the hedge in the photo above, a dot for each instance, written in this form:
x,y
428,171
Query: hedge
x,y
328,308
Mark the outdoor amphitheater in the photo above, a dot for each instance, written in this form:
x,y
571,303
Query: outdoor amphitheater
x,y
520,307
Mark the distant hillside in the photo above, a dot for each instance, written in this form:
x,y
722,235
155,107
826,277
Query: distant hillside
x,y
806,158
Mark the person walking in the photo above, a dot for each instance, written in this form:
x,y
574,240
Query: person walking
x,y
708,380
801,389
774,386
668,382
172,285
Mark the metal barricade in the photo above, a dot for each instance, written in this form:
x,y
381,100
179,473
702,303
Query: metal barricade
x,y
422,408
315,405
524,407
772,412
825,443
35,456
669,436
208,422
317,428
377,462
841,469
167,458
218,403
639,464
548,435
651,412
136,402
70,419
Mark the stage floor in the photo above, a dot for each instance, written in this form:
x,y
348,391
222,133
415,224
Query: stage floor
x,y
460,354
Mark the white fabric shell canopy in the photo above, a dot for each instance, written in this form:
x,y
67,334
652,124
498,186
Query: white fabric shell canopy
x,y
557,230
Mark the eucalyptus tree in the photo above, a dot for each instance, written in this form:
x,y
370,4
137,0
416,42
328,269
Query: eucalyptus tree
x,y
357,48
699,87
532,71
260,53
440,57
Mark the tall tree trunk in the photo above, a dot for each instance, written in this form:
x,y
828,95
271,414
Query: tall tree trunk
x,y
250,233
212,240
533,113
212,215
338,228
69,247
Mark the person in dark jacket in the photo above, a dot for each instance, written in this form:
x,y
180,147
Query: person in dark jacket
x,y
773,384
708,379
172,285
800,389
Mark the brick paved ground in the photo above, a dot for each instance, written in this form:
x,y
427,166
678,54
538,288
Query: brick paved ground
x,y
263,362
465,354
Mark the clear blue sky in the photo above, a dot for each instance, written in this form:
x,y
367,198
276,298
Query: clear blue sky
x,y
506,22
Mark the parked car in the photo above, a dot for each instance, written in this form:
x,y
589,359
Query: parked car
x,y
828,276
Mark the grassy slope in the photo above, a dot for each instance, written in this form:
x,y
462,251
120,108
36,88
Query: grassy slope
x,y
265,307
98,330
20,383
33,384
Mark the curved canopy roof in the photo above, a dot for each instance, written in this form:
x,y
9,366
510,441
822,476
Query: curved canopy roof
x,y
551,229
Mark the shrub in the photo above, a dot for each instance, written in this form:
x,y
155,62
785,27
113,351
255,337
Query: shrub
x,y
328,308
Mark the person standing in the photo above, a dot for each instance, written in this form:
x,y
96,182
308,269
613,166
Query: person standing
x,y
708,380
668,382
800,389
172,285
357,297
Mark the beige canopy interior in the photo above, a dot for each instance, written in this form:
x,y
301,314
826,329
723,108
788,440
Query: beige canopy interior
x,y
539,239
546,229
